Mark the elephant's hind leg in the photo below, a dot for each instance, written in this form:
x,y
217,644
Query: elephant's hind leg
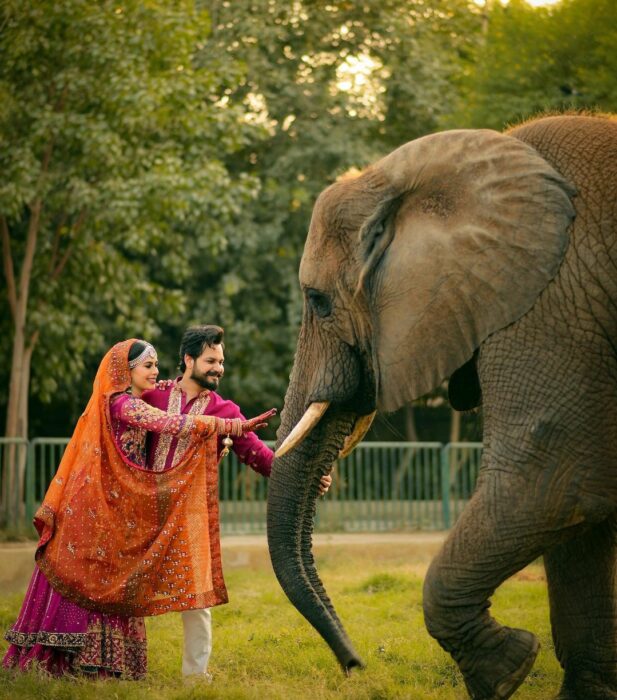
x,y
488,544
582,581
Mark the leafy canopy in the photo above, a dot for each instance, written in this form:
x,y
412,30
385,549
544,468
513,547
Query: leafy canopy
x,y
109,121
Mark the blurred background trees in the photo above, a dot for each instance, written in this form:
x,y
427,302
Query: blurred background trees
x,y
160,162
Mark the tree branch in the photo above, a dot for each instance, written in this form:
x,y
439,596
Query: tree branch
x,y
56,244
34,339
31,238
26,268
69,249
63,260
47,157
9,271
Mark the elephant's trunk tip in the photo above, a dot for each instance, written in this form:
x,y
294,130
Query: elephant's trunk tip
x,y
355,662
347,657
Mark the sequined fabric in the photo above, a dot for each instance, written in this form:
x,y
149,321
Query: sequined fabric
x,y
60,637
165,456
132,418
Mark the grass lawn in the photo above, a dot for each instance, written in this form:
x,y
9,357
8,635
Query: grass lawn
x,y
264,649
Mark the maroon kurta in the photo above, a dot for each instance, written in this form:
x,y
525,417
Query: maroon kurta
x,y
164,449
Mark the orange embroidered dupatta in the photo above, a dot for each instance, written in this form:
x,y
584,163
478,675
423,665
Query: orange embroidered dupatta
x,y
119,539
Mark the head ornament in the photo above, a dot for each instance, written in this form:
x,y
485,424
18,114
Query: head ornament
x,y
147,352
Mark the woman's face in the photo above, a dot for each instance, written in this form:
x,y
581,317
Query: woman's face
x,y
144,376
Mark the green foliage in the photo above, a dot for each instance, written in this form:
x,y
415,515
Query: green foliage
x,y
116,129
541,59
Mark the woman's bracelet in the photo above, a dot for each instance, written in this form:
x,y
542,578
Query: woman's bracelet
x,y
233,426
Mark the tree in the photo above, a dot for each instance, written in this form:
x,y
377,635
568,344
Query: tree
x,y
541,59
114,143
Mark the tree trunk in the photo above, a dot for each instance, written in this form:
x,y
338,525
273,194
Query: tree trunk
x,y
410,425
455,426
13,482
19,383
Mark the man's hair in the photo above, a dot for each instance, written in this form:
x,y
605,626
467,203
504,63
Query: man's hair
x,y
196,339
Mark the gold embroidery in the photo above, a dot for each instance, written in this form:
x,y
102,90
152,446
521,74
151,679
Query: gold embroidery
x,y
133,444
198,407
141,417
164,443
174,407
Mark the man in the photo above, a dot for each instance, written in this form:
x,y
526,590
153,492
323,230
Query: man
x,y
202,366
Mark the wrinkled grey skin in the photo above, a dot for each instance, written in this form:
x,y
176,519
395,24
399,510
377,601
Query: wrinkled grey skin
x,y
492,259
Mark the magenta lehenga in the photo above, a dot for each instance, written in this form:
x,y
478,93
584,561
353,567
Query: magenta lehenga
x,y
61,637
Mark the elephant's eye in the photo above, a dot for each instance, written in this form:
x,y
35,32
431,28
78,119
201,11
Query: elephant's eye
x,y
320,303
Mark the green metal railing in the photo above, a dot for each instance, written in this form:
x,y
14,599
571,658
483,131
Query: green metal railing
x,y
13,470
44,455
384,486
381,486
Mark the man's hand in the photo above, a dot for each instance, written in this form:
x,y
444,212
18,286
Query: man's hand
x,y
258,422
163,384
324,484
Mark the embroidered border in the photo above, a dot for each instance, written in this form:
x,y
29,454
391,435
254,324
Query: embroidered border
x,y
174,407
122,652
199,406
50,639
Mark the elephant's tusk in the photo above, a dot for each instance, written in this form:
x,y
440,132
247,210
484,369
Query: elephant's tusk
x,y
303,427
360,429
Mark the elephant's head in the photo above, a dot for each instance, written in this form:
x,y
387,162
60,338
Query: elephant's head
x,y
407,268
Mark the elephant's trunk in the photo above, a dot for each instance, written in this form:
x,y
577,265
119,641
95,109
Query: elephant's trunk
x,y
292,493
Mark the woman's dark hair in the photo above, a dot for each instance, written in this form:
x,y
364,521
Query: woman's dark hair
x,y
196,339
136,349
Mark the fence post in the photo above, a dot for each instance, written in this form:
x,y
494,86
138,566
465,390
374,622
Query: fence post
x,y
445,485
30,479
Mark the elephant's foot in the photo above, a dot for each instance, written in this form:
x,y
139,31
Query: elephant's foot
x,y
496,673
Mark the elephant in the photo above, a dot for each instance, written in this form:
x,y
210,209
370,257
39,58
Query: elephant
x,y
489,258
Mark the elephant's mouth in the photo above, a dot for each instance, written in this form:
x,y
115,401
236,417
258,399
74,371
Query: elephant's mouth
x,y
360,402
309,421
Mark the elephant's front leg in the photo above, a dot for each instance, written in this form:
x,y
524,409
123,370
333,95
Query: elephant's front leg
x,y
582,584
496,536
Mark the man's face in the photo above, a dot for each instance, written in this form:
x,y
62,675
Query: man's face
x,y
207,369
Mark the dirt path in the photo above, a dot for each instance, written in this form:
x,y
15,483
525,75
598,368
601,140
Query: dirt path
x,y
17,559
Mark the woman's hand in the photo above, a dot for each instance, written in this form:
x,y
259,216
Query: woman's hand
x,y
258,422
237,427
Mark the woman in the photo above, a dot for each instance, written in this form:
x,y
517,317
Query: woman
x,y
112,535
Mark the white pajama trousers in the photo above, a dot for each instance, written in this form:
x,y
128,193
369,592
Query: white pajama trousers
x,y
197,641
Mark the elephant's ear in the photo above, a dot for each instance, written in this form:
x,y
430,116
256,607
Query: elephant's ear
x,y
471,227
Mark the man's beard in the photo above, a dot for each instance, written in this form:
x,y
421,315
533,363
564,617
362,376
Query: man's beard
x,y
209,380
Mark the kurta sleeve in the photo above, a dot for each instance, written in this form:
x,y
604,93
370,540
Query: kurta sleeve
x,y
254,453
249,449
138,413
